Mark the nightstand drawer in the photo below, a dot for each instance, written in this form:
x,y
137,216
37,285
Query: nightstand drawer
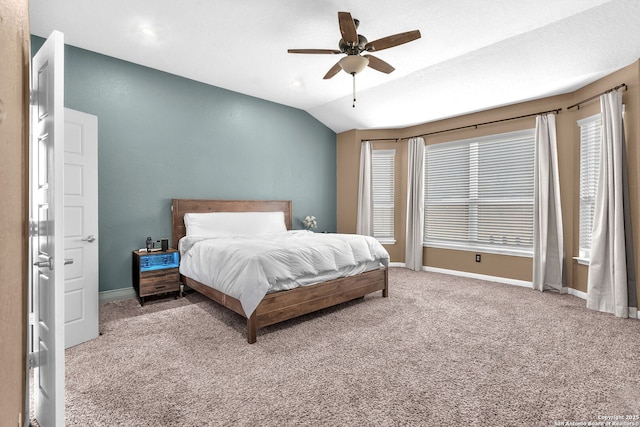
x,y
159,281
158,288
160,275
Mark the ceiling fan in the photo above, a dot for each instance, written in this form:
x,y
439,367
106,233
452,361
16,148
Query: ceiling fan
x,y
353,45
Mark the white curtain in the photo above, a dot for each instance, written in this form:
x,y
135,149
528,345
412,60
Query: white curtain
x,y
415,204
611,284
364,220
548,246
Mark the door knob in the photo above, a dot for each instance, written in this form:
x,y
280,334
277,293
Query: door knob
x,y
90,238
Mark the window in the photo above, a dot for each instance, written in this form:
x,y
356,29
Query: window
x,y
382,182
589,159
479,194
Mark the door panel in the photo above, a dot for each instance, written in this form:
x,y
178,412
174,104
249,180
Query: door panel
x,y
81,226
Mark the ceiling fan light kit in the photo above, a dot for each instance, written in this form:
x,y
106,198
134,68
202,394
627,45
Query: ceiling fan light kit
x,y
353,64
353,44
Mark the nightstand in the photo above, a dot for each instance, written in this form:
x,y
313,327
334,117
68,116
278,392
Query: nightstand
x,y
155,273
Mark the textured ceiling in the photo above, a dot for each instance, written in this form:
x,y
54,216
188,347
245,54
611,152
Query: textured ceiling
x,y
473,54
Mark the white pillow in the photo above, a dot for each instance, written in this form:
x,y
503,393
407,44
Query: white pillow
x,y
219,224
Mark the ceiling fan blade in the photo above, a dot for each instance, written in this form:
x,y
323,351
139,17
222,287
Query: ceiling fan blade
x,y
379,64
347,28
333,71
313,51
391,41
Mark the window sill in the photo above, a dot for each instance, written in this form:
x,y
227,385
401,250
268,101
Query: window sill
x,y
387,241
482,249
582,261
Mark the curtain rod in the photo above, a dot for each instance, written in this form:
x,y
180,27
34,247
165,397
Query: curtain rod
x,y
556,111
623,85
381,139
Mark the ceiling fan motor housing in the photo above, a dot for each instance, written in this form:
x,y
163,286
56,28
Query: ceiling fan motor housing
x,y
353,50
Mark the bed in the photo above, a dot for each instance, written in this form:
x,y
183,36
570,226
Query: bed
x,y
280,305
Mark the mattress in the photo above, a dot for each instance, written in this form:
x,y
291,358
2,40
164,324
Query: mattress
x,y
249,267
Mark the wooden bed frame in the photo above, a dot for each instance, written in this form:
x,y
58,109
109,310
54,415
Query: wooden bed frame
x,y
284,305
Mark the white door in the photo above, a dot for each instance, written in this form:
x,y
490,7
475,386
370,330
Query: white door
x,y
80,227
47,277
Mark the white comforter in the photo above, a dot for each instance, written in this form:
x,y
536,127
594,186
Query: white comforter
x,y
248,267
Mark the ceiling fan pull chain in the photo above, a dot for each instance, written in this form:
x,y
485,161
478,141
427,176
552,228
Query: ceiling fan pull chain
x,y
354,90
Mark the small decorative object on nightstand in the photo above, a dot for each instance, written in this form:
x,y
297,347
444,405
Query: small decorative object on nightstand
x,y
310,222
156,273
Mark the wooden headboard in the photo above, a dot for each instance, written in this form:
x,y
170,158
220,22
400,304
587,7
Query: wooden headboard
x,y
179,207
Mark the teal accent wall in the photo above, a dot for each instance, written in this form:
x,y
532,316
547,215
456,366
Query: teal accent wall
x,y
161,136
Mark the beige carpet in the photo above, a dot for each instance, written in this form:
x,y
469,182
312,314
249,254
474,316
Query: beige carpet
x,y
440,351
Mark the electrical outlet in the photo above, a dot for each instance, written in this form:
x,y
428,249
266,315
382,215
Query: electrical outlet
x,y
478,258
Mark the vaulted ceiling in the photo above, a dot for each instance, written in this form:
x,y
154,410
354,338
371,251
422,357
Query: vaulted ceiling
x,y
473,54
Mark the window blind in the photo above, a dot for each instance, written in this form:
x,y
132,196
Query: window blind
x,y
479,193
382,182
590,138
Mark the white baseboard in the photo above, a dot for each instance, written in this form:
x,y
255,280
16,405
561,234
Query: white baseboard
x,y
116,295
577,293
397,264
633,312
497,279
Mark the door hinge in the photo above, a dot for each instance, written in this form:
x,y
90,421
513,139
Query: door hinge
x,y
33,360
33,228
32,319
